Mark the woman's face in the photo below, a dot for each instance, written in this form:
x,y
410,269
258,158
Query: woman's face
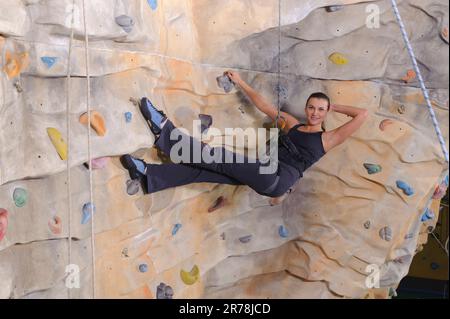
x,y
316,111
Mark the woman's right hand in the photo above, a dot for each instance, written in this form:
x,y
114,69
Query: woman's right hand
x,y
234,77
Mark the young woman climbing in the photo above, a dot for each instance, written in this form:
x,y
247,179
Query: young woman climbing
x,y
300,147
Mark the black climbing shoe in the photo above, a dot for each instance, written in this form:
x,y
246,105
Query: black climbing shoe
x,y
153,116
128,164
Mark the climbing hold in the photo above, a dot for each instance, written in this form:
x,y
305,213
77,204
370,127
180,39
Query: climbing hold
x,y
338,58
125,22
280,89
164,291
408,190
143,268
225,83
3,223
392,292
206,122
219,203
125,252
410,76
128,117
409,236
176,228
100,163
386,233
49,61
20,197
246,239
440,191
191,277
444,33
403,259
427,215
97,122
55,225
18,87
401,109
223,236
434,266
87,209
58,142
367,224
372,168
133,187
283,232
153,4
334,8
15,63
384,124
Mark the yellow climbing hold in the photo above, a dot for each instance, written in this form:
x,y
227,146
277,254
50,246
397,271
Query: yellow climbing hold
x,y
190,278
97,122
338,58
58,142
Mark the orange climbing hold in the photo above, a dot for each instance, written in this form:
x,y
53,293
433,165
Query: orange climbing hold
x,y
410,76
55,225
15,63
97,122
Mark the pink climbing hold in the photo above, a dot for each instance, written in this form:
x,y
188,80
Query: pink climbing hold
x,y
384,124
3,222
100,163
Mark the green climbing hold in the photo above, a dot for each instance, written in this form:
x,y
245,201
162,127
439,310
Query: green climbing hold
x,y
20,197
372,168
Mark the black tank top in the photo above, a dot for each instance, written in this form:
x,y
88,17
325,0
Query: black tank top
x,y
300,149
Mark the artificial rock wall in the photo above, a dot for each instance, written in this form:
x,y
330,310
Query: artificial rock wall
x,y
317,244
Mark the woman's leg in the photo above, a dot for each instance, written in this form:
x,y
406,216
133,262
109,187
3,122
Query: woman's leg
x,y
160,177
246,173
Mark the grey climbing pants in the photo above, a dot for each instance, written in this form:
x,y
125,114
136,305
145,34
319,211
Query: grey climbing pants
x,y
160,177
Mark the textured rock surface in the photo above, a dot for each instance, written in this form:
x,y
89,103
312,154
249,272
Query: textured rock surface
x,y
173,53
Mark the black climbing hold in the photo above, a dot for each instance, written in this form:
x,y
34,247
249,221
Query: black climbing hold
x,y
246,239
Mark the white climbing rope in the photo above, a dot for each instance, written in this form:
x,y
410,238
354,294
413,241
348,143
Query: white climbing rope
x,y
88,106
420,78
68,106
279,66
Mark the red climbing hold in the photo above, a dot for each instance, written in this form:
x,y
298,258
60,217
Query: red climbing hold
x,y
55,225
410,76
3,222
218,204
384,124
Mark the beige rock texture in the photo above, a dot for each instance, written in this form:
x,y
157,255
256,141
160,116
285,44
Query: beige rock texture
x,y
173,54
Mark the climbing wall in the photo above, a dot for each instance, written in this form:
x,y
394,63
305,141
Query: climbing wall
x,y
367,202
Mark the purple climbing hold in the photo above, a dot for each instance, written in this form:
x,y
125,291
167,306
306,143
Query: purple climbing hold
x,y
206,122
246,239
225,83
49,61
87,209
408,190
125,22
153,4
176,228
164,291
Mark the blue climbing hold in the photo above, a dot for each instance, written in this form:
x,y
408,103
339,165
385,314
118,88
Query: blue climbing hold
x,y
283,231
428,215
49,61
153,4
405,188
434,266
175,229
372,168
128,117
143,268
87,208
446,181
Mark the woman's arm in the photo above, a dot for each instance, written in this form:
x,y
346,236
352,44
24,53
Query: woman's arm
x,y
339,135
286,121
